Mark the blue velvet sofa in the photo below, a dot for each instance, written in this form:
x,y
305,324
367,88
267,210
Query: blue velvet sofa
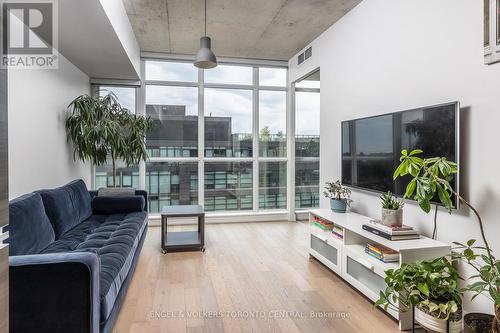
x,y
72,255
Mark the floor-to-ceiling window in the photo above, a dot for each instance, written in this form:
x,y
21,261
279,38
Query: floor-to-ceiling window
x,y
307,124
219,136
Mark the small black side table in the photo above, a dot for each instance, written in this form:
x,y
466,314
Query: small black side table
x,y
177,241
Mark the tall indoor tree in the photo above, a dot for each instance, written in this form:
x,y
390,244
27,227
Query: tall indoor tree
x,y
100,127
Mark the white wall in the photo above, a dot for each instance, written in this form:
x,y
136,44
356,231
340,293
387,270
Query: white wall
x,y
117,15
39,155
392,55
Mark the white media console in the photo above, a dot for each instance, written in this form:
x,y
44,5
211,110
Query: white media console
x,y
348,259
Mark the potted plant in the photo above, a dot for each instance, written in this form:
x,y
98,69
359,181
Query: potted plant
x,y
99,127
485,282
392,210
430,288
431,176
340,196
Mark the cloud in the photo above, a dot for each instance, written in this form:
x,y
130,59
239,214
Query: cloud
x,y
125,95
307,118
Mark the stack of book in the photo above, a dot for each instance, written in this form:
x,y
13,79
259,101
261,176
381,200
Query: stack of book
x,y
392,233
381,253
338,232
321,223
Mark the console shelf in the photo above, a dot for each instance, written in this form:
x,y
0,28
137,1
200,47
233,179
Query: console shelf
x,y
347,258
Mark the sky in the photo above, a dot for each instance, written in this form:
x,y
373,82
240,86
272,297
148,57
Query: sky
x,y
307,113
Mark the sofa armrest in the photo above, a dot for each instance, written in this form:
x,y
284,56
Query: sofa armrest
x,y
54,292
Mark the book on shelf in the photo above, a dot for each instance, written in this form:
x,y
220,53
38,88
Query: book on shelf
x,y
381,253
324,227
388,236
392,230
337,235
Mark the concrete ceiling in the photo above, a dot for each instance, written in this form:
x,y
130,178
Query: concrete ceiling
x,y
259,29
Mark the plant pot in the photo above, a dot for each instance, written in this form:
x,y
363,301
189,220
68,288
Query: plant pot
x,y
478,323
338,205
392,217
439,325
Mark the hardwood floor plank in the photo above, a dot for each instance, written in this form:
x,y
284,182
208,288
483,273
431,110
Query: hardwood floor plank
x,y
253,277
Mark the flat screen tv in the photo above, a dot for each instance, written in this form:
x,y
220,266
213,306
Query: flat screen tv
x,y
371,146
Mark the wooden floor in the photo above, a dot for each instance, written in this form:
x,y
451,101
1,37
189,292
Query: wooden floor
x,y
253,277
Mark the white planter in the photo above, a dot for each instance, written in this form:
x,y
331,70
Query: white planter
x,y
435,324
392,217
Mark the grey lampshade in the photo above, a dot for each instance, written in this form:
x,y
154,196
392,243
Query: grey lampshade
x,y
205,58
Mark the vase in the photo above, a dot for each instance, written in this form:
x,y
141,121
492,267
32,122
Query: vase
x,y
438,325
392,217
338,205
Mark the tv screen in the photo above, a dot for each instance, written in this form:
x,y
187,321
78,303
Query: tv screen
x,y
371,147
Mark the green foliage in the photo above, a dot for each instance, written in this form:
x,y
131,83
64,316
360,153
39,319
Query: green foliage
x,y
337,191
427,284
389,201
487,279
99,126
429,176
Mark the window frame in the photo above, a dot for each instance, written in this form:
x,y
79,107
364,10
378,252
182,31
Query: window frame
x,y
201,159
294,211
491,49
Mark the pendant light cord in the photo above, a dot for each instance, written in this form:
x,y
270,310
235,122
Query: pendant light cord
x,y
205,17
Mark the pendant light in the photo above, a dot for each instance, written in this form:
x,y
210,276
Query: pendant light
x,y
205,58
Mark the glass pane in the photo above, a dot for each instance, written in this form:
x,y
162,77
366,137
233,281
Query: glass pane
x,y
228,186
228,123
171,71
272,77
272,185
312,81
229,75
307,150
125,176
307,124
171,183
125,95
174,111
306,183
272,124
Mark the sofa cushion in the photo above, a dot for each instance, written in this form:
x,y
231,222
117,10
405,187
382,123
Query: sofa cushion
x,y
115,239
116,205
115,192
29,227
67,206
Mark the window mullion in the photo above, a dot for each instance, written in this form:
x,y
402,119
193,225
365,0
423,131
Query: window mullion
x,y
201,137
255,132
141,110
290,120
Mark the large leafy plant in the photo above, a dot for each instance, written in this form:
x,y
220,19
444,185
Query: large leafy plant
x,y
431,176
430,285
486,281
100,127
